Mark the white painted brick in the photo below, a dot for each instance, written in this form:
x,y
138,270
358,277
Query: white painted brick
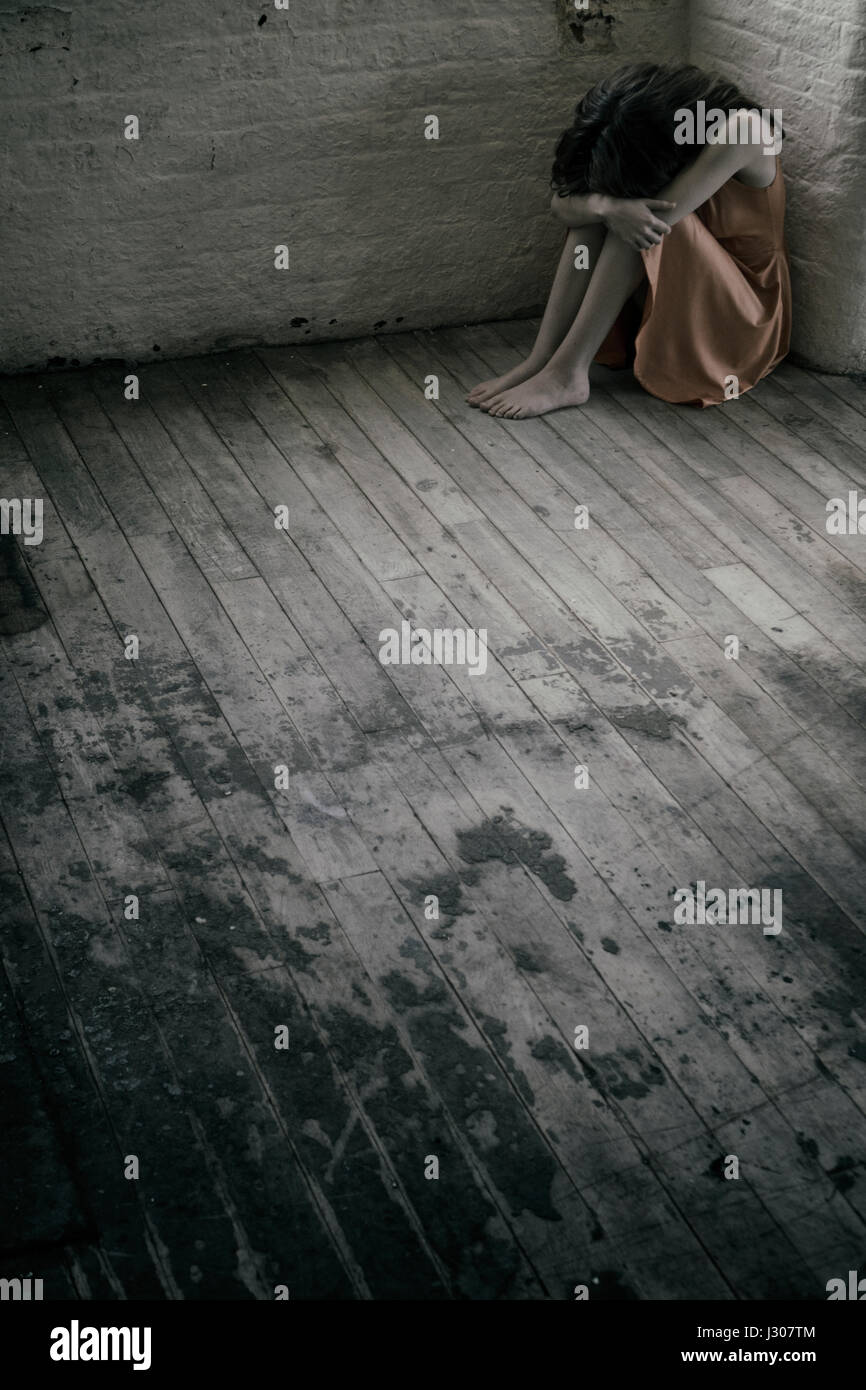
x,y
818,80
308,130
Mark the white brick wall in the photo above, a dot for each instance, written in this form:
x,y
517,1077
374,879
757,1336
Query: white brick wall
x,y
809,57
305,130
308,130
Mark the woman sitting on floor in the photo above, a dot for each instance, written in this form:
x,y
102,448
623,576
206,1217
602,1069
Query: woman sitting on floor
x,y
686,267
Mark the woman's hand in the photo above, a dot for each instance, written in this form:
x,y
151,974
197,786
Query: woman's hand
x,y
634,221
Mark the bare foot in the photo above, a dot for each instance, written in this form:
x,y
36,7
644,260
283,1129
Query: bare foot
x,y
539,395
485,389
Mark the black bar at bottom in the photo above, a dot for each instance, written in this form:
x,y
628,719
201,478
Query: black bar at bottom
x,y
404,1341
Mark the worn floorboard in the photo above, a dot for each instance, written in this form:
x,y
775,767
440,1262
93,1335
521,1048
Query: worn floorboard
x,y
374,969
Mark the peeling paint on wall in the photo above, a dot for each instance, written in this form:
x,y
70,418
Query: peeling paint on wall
x,y
588,25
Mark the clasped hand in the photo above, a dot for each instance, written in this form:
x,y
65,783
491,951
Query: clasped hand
x,y
634,220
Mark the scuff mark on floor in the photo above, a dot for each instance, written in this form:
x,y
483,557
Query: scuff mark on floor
x,y
644,719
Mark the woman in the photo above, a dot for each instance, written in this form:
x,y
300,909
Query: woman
x,y
685,271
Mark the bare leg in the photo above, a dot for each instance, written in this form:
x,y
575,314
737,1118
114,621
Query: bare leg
x,y
565,298
565,379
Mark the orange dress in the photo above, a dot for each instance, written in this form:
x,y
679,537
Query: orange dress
x,y
718,300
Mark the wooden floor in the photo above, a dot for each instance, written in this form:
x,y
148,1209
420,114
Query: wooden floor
x,y
260,907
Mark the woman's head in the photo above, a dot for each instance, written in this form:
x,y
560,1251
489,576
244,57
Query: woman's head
x,y
621,141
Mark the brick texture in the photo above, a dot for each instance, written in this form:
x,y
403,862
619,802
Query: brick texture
x,y
305,127
809,58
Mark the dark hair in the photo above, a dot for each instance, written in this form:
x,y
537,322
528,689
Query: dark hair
x,y
621,141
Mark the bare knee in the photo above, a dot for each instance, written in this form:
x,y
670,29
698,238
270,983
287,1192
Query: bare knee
x,y
592,234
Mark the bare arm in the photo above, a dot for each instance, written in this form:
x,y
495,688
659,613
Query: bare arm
x,y
576,210
704,177
642,222
633,220
713,167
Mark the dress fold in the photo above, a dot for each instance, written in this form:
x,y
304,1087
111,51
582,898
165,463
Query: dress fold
x,y
718,302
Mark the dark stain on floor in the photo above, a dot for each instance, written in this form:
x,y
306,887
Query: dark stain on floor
x,y
497,1032
142,785
502,839
525,960
717,1168
624,1074
476,1093
643,719
296,957
809,1147
842,1175
268,864
447,888
320,932
408,1116
573,724
553,1051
